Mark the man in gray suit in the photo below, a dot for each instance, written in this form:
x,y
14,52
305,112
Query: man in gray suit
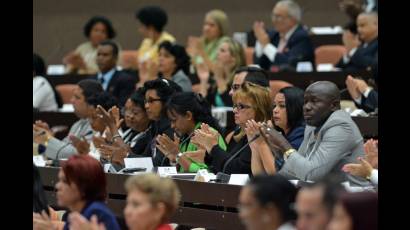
x,y
331,139
57,149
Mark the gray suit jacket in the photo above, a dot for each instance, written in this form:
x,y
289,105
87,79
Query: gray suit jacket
x,y
57,149
182,80
338,142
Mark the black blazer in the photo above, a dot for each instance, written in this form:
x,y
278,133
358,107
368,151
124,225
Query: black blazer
x,y
363,58
298,48
370,103
121,86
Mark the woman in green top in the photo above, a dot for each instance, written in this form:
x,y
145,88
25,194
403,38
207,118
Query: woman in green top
x,y
187,111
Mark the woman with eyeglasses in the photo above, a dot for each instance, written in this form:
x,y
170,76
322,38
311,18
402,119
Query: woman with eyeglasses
x,y
266,202
251,102
132,141
288,119
187,111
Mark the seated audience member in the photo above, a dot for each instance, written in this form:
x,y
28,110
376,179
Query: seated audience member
x,y
174,64
368,166
45,98
157,92
187,111
215,87
355,211
251,102
84,59
288,44
106,101
204,50
151,202
364,97
57,149
81,188
266,203
352,8
288,119
331,139
315,202
350,40
364,56
152,21
116,82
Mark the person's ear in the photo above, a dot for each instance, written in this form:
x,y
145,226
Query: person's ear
x,y
189,116
160,210
335,105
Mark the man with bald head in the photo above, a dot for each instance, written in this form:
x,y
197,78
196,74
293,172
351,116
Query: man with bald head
x,y
331,138
288,44
364,56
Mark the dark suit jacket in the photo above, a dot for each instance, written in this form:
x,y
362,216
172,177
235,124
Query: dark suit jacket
x,y
121,86
363,58
370,103
298,48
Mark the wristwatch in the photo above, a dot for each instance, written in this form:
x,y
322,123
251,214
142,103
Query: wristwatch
x,y
179,155
288,152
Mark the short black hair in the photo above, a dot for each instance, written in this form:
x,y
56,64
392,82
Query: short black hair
x,y
153,16
164,88
99,19
294,99
39,67
183,102
351,26
104,99
114,46
137,97
182,59
255,75
276,190
39,197
90,87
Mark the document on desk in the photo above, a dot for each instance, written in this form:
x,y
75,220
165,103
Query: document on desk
x,y
238,179
139,162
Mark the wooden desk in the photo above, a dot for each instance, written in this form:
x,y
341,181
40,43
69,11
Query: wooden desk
x,y
215,211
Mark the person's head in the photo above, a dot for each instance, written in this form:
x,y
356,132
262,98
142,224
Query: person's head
x,y
172,58
151,201
288,108
355,211
215,25
368,26
107,56
156,94
85,89
315,202
186,109
231,53
152,20
98,29
251,102
39,67
285,15
321,99
250,74
267,201
39,197
105,100
81,179
134,113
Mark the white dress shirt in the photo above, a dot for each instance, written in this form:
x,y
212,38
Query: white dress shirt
x,y
43,95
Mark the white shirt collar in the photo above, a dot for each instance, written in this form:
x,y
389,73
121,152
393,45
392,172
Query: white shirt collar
x,y
290,32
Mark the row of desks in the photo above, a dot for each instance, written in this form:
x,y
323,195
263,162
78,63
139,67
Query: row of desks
x,y
208,205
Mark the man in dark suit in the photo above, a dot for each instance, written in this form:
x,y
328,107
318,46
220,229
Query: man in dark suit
x,y
363,56
116,82
288,44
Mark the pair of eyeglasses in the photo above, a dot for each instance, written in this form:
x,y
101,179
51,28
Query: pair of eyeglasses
x,y
240,106
278,17
151,100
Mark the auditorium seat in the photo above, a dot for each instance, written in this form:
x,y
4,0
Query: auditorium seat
x,y
276,85
66,92
329,54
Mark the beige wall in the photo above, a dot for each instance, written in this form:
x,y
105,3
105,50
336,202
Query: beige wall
x,y
58,25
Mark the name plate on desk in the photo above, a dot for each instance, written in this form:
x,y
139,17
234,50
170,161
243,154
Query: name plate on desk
x,y
167,171
238,179
139,162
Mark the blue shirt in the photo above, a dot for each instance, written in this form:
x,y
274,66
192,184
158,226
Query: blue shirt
x,y
105,78
98,208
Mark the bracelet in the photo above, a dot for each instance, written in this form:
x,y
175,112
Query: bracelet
x,y
115,136
289,152
46,142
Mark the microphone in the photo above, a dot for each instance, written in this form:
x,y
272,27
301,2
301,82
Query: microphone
x,y
239,151
69,142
